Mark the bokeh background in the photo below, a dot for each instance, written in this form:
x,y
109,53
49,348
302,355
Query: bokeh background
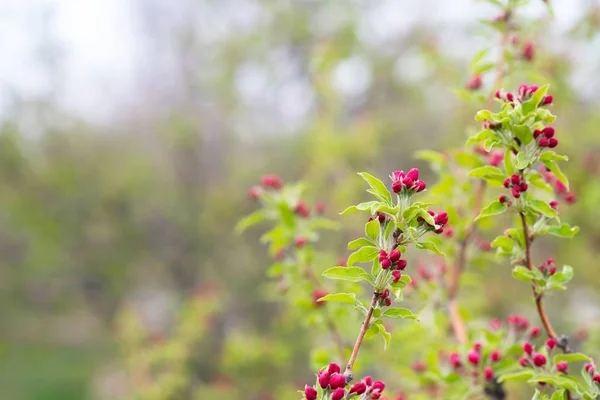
x,y
131,130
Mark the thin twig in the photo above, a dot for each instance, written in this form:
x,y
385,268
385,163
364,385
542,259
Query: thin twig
x,y
361,336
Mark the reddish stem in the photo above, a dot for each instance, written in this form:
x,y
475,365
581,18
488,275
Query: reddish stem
x,y
361,336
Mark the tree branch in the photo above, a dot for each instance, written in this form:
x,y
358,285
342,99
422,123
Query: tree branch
x,y
361,336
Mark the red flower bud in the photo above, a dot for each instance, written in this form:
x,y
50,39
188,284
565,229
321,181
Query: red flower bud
x,y
539,360
510,96
310,393
254,192
375,395
397,186
300,241
333,368
396,276
562,366
515,179
535,331
474,83
271,182
382,254
387,302
358,388
596,378
528,51
548,131
381,217
495,356
498,94
547,100
395,255
323,379
408,182
524,186
413,174
524,362
543,142
554,204
552,143
420,186
385,293
368,381
402,264
502,199
386,263
527,348
477,346
337,381
507,183
449,232
378,386
441,218
419,366
589,368
516,192
552,270
488,373
536,133
473,357
455,360
551,343
320,207
302,210
317,294
338,394
571,198
532,89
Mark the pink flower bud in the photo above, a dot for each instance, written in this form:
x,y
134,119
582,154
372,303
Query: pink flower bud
x,y
333,368
413,174
382,254
342,262
524,186
300,241
419,366
387,302
498,94
396,276
554,204
474,83
375,395
254,192
455,360
589,368
536,133
516,192
532,89
552,143
551,343
596,378
539,360
395,255
420,186
317,294
402,264
527,348
506,183
271,182
562,366
571,198
515,179
543,142
473,357
528,51
310,393
378,386
338,394
323,379
495,356
441,218
548,131
495,324
302,210
552,270
524,362
535,331
358,388
477,346
408,182
320,207
547,100
398,175
368,381
337,381
397,186
510,96
502,199
386,263
488,373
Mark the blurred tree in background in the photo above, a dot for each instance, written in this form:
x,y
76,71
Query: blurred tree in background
x,y
121,275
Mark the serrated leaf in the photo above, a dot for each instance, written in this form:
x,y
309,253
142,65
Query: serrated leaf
x,y
429,246
570,357
351,274
372,229
399,313
541,207
366,206
563,230
494,208
364,254
348,298
378,186
504,243
250,220
355,244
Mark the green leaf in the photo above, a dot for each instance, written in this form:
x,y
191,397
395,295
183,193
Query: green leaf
x,y
431,156
360,207
380,190
429,246
523,274
563,230
250,220
508,162
425,215
351,274
552,166
541,207
372,229
522,161
483,115
523,133
564,381
571,357
505,243
479,137
494,208
560,394
355,244
549,155
532,104
384,208
488,173
560,279
348,298
522,375
399,313
364,254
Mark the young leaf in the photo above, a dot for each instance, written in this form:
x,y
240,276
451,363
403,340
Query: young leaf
x,y
494,208
399,313
429,246
560,279
364,254
355,244
523,133
488,172
351,274
372,229
523,274
505,243
563,230
380,190
541,207
386,335
532,104
508,162
250,220
570,357
549,155
479,137
348,298
522,375
360,207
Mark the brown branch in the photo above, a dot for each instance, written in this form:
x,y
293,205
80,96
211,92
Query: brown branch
x,y
361,336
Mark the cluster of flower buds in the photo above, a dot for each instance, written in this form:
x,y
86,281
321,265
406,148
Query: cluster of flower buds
x,y
524,93
407,182
518,322
531,358
517,186
392,261
548,267
545,137
476,360
385,298
271,182
440,219
333,382
382,217
474,83
591,370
